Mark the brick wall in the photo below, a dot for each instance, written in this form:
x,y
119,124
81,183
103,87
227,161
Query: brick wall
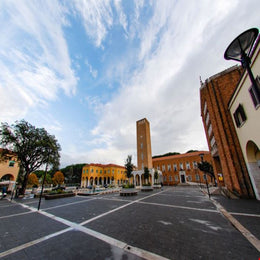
x,y
227,155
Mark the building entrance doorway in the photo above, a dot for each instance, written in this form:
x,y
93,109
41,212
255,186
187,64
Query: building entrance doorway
x,y
182,177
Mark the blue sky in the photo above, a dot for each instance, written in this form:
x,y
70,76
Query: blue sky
x,y
86,71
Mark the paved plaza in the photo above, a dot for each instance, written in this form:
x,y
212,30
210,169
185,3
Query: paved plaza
x,y
175,223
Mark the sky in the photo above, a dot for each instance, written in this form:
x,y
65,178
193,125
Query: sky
x,y
87,70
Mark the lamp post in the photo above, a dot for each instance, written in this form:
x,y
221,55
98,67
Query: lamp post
x,y
240,50
45,173
202,157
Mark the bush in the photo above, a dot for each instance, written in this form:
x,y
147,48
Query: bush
x,y
128,186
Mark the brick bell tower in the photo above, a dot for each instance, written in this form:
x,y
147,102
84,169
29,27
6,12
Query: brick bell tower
x,y
144,150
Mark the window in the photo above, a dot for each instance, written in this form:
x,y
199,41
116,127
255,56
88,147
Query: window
x,y
169,167
189,178
87,171
187,165
210,130
212,141
141,145
239,116
207,118
96,171
165,178
100,171
108,171
11,163
197,177
92,170
176,177
254,93
175,167
205,108
142,156
158,167
195,165
181,166
163,168
170,178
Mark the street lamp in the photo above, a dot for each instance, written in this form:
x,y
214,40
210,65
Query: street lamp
x,y
201,157
45,173
240,50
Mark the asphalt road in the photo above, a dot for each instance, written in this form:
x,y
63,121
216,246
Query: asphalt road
x,y
176,223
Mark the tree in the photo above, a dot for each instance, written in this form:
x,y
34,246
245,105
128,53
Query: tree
x,y
48,179
33,180
206,167
58,178
129,166
33,146
146,174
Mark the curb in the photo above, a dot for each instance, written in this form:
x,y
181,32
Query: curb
x,y
245,232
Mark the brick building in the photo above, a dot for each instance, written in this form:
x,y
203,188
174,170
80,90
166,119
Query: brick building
x,y
182,168
144,147
228,160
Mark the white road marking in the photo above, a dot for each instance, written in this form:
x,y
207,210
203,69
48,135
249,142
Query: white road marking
x,y
180,207
17,214
112,241
34,242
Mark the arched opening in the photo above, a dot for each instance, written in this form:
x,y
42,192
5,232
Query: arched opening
x,y
108,180
7,177
137,180
96,181
91,180
253,166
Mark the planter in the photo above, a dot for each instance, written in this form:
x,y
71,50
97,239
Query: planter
x,y
128,192
157,186
146,188
58,196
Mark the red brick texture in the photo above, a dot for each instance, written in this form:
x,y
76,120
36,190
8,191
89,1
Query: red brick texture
x,y
227,158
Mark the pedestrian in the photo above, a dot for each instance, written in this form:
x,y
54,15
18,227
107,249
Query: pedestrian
x,y
161,186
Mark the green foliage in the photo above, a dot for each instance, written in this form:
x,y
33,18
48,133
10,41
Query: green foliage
x,y
146,173
128,186
72,173
207,168
33,146
192,151
129,166
166,154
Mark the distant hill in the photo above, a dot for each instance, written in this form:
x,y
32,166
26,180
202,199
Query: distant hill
x,y
166,154
172,153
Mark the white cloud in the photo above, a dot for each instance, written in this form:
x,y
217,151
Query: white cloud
x,y
35,62
97,18
179,44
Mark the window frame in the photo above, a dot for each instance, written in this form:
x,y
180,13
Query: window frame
x,y
240,116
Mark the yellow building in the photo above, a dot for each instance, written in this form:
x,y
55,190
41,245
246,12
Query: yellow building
x,y
9,169
102,174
